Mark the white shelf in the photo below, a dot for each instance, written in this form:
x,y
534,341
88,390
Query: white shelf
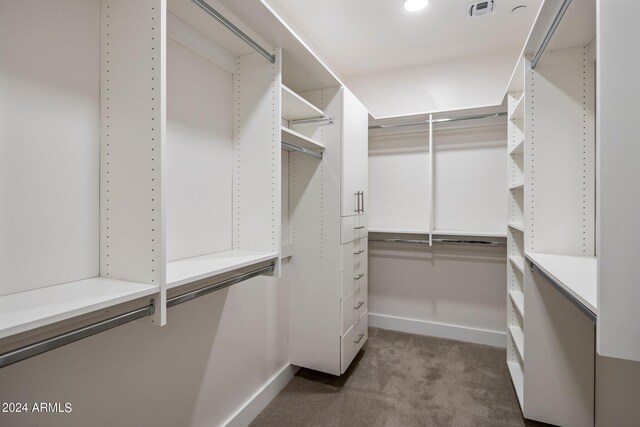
x,y
190,270
519,147
518,262
517,377
517,186
295,107
518,339
517,225
469,233
295,138
397,231
518,301
518,111
578,275
28,310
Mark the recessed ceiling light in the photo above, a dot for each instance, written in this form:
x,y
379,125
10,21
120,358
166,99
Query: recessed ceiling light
x,y
415,5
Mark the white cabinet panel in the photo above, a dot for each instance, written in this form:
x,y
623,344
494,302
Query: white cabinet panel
x,y
353,341
355,141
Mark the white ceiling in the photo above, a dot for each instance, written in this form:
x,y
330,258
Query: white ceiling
x,y
369,36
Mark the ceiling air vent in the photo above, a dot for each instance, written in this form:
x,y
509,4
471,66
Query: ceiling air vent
x,y
480,8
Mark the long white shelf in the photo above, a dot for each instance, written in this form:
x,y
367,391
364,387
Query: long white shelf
x,y
517,377
295,107
518,262
517,225
397,231
24,311
469,233
578,275
518,301
295,138
190,270
518,339
518,112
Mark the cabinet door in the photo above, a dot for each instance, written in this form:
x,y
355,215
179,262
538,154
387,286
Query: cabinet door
x,y
355,141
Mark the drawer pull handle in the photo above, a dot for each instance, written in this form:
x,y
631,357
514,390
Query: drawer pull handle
x,y
360,276
358,228
359,339
359,252
359,305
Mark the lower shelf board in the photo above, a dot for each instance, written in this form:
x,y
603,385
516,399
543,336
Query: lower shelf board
x,y
25,311
518,262
189,270
518,339
517,377
518,301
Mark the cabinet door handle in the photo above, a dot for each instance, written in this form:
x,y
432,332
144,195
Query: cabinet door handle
x,y
359,305
357,194
359,339
359,252
360,276
358,228
362,195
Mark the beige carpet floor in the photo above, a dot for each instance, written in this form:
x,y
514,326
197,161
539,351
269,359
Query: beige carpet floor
x,y
403,380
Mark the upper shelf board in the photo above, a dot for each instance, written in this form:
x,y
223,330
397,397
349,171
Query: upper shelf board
x,y
295,138
295,107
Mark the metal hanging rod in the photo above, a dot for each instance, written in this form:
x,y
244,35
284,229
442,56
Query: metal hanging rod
x,y
552,29
315,121
437,121
172,302
235,30
293,147
52,343
444,241
584,309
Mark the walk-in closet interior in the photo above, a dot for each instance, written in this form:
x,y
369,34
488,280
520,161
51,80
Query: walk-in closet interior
x,y
299,213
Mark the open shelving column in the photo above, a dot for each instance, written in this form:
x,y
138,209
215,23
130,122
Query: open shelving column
x,y
84,195
516,227
223,152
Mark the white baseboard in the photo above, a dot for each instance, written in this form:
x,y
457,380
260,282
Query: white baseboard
x,y
439,330
252,408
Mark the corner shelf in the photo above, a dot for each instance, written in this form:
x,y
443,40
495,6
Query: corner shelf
x,y
295,107
295,138
518,262
24,311
518,301
518,111
189,270
577,275
516,225
518,339
519,147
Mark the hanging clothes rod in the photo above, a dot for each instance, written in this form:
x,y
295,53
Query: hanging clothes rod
x,y
52,343
172,302
293,147
235,30
311,122
444,241
437,121
549,35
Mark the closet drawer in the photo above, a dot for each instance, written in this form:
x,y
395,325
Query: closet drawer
x,y
353,341
354,276
353,228
353,253
353,306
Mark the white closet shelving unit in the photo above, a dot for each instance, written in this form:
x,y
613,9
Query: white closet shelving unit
x,y
80,160
223,150
552,272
